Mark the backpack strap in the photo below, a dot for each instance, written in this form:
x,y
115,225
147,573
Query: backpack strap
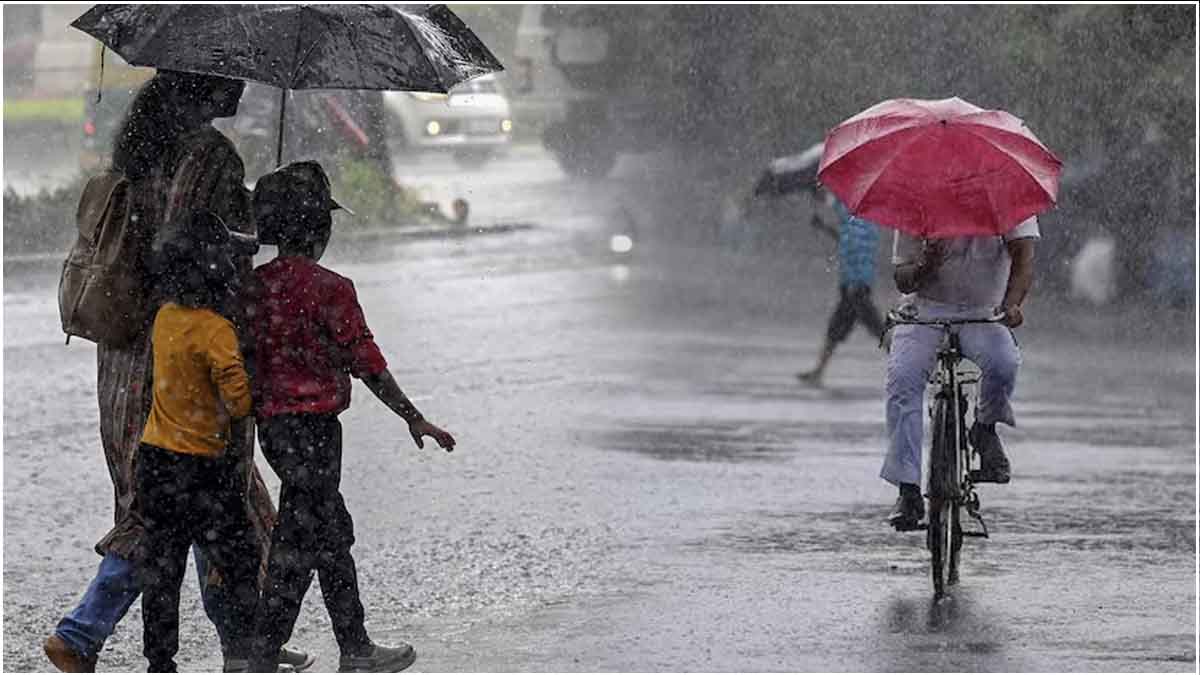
x,y
95,201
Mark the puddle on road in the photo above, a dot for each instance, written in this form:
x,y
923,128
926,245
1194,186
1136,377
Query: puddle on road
x,y
853,539
1152,434
787,389
736,441
1112,527
944,635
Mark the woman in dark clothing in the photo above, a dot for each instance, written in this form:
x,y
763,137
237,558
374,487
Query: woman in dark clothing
x,y
176,163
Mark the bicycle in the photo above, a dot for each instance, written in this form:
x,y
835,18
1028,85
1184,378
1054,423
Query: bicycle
x,y
950,487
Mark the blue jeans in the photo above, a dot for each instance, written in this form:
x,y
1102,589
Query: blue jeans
x,y
109,597
914,354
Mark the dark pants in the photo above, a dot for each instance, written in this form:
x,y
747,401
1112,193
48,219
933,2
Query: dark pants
x,y
185,500
314,532
855,306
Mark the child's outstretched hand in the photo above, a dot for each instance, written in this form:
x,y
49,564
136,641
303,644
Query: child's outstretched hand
x,y
423,428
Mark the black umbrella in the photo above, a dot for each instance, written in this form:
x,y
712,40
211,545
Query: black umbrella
x,y
794,173
298,46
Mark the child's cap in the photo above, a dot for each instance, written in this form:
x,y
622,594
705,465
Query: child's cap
x,y
299,184
295,189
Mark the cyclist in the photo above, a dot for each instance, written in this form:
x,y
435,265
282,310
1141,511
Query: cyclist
x,y
963,277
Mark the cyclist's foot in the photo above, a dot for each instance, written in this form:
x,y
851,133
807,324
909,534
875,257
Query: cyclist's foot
x,y
909,509
993,464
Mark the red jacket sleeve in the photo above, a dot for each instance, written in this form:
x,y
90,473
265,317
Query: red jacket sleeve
x,y
346,323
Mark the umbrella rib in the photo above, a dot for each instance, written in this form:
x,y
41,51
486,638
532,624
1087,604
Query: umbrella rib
x,y
163,18
1016,159
412,31
299,60
353,38
901,148
886,166
915,122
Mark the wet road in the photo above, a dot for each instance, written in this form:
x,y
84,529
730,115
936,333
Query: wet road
x,y
641,484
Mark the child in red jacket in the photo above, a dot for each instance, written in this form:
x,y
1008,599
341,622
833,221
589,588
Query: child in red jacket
x,y
310,337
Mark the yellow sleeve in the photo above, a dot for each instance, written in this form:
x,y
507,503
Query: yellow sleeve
x,y
228,370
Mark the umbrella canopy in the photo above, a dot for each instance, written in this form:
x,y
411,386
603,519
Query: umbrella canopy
x,y
938,169
298,46
794,173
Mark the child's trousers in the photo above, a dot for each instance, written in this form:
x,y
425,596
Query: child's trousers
x,y
314,532
185,500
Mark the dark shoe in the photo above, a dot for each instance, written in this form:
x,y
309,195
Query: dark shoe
x,y
289,661
379,659
66,659
909,510
993,464
295,661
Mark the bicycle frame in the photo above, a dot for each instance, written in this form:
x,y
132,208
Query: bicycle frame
x,y
949,379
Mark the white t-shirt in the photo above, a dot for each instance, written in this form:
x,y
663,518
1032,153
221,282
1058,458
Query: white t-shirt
x,y
974,271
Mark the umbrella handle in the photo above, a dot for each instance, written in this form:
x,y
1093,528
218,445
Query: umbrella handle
x,y
279,141
100,84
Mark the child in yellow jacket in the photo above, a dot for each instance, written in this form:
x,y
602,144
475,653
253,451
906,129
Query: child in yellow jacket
x,y
190,491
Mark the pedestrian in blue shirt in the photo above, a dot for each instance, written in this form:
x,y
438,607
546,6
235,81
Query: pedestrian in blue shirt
x,y
858,241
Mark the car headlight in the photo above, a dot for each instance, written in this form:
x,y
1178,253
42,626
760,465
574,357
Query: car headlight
x,y
433,128
426,97
506,126
621,243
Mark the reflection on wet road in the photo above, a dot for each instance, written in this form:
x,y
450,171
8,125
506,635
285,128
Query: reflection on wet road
x,y
641,484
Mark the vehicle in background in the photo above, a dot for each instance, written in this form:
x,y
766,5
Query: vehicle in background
x,y
570,80
474,122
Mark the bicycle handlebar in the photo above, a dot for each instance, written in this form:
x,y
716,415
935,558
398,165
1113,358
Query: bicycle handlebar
x,y
897,317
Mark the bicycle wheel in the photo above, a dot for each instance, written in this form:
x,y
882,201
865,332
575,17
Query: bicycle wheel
x,y
956,539
940,537
943,492
943,451
961,464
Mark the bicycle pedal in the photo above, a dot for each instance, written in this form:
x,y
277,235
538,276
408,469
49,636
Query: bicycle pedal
x,y
975,515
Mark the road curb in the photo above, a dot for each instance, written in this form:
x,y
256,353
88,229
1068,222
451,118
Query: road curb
x,y
44,259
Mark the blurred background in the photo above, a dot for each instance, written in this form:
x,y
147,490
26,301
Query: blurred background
x,y
710,94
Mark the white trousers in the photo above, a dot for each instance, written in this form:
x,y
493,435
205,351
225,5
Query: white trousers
x,y
912,358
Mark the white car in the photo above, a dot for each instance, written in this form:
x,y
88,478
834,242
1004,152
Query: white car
x,y
474,121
